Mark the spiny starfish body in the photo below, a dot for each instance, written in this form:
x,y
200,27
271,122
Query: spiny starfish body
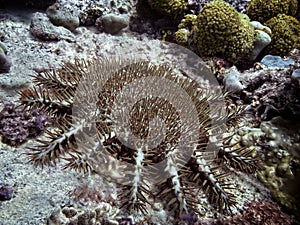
x,y
140,125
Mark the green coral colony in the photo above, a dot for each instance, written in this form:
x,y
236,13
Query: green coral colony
x,y
219,30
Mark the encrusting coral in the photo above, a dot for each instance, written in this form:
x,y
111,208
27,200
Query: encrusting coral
x,y
285,34
87,136
221,30
263,10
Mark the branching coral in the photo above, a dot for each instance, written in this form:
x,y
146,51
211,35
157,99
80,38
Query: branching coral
x,y
221,30
140,125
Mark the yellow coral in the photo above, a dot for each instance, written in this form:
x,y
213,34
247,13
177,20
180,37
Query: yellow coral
x,y
221,30
182,36
262,10
172,8
285,34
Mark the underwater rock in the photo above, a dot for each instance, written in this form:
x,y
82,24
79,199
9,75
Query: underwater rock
x,y
296,74
272,89
6,192
5,62
232,82
113,24
262,40
61,17
38,4
42,28
277,61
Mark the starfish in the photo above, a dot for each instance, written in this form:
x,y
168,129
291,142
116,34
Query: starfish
x,y
140,125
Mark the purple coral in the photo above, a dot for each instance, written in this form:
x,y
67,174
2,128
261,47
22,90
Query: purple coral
x,y
17,125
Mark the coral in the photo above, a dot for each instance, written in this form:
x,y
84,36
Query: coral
x,y
263,10
172,8
89,134
240,6
256,213
102,213
16,125
182,36
259,92
221,30
187,21
285,34
281,155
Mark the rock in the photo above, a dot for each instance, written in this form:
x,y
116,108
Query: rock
x,y
296,74
42,28
38,4
61,17
6,192
277,61
113,24
5,62
232,82
263,39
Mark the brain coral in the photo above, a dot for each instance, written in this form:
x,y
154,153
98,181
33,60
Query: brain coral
x,y
171,8
221,30
285,34
262,10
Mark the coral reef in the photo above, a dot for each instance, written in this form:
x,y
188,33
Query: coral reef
x,y
84,134
96,9
285,34
256,213
263,10
280,173
259,92
16,125
221,30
